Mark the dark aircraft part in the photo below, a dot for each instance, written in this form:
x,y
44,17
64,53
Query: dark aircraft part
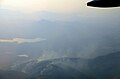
x,y
104,3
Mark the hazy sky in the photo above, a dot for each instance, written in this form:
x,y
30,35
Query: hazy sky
x,y
58,6
49,5
52,10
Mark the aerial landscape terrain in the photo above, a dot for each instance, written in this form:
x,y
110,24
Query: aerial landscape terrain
x,y
58,39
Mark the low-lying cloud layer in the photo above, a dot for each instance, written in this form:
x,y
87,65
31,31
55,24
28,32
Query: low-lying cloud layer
x,y
24,55
22,40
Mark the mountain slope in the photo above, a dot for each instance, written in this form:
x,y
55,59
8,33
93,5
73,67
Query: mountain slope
x,y
106,67
60,68
13,75
103,67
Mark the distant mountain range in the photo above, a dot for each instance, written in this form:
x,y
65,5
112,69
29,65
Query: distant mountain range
x,y
85,37
103,67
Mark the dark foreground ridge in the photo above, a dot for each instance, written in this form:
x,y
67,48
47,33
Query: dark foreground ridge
x,y
102,67
9,74
104,3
